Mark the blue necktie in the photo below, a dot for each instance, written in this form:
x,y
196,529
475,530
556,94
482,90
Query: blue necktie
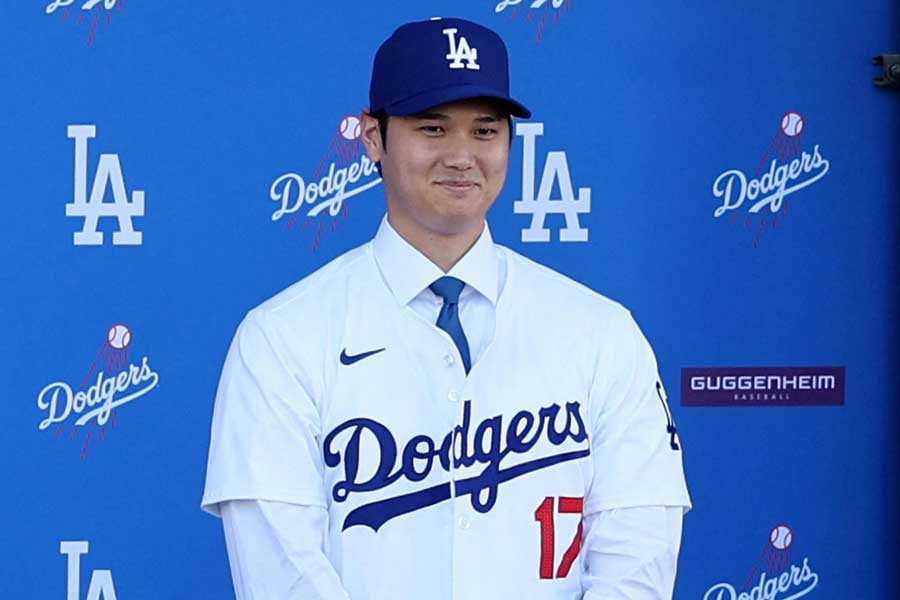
x,y
449,288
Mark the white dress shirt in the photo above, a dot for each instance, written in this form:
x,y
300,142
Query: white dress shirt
x,y
281,543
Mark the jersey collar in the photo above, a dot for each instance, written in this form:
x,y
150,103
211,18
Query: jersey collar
x,y
408,272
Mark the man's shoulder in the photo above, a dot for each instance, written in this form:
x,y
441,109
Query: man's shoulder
x,y
566,309
549,287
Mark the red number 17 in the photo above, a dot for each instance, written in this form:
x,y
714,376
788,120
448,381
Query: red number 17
x,y
544,516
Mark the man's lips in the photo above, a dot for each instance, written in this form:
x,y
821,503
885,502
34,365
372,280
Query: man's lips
x,y
457,185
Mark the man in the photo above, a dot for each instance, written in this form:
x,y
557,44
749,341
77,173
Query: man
x,y
433,416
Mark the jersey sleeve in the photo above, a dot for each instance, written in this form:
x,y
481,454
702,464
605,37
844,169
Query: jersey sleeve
x,y
265,426
635,448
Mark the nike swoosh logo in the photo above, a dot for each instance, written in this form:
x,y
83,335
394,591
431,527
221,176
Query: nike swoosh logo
x,y
349,359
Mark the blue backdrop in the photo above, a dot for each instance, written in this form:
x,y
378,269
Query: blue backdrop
x,y
653,107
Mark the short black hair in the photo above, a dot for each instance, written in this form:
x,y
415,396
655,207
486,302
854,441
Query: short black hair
x,y
383,118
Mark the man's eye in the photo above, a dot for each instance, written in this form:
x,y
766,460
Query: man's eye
x,y
432,129
485,132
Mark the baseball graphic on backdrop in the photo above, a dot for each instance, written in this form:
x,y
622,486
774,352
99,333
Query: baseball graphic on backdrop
x,y
781,537
792,124
119,336
350,127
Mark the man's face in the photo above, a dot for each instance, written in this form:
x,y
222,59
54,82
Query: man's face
x,y
443,168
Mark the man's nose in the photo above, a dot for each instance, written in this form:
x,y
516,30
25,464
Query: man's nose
x,y
459,153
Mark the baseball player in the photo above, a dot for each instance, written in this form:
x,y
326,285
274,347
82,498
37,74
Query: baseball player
x,y
432,415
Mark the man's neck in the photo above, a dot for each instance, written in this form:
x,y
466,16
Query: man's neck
x,y
444,250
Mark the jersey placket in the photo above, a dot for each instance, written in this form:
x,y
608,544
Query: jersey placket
x,y
454,388
457,394
450,383
465,517
465,532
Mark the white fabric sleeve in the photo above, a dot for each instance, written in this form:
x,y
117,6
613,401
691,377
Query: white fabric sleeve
x,y
277,550
631,553
264,442
635,449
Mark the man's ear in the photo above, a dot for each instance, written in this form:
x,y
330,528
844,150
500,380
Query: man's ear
x,y
371,136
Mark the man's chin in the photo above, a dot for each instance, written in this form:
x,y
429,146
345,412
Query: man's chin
x,y
453,224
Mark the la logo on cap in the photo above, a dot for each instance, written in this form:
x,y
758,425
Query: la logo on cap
x,y
461,51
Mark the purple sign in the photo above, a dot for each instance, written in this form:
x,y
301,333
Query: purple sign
x,y
763,386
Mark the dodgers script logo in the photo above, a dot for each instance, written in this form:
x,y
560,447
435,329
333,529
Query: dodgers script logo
x,y
490,444
111,381
539,205
775,577
785,168
91,209
101,584
549,11
102,9
343,172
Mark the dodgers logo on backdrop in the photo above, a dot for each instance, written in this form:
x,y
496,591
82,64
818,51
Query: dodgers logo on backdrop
x,y
784,169
101,583
777,574
542,12
112,380
344,171
490,444
92,209
540,204
102,13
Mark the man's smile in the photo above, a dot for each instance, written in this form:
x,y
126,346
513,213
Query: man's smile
x,y
457,187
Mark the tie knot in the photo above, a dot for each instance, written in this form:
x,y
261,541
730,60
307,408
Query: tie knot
x,y
448,288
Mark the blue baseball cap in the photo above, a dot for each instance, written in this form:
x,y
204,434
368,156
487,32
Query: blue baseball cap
x,y
427,63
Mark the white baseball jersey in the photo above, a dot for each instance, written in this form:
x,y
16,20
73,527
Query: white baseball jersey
x,y
438,484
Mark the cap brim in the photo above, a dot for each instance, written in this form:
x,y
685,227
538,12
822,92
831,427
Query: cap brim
x,y
432,98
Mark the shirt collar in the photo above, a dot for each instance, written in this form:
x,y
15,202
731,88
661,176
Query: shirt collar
x,y
407,271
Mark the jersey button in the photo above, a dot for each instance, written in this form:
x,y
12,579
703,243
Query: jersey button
x,y
464,523
448,358
452,396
